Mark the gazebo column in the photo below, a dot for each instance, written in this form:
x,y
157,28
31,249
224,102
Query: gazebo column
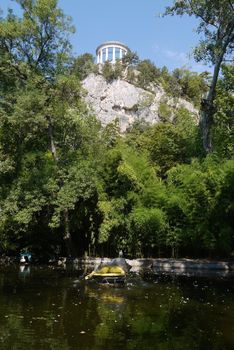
x,y
101,58
106,53
110,51
120,54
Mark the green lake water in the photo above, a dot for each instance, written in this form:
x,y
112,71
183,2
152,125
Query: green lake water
x,y
46,308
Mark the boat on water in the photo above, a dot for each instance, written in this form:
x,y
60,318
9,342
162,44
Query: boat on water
x,y
113,273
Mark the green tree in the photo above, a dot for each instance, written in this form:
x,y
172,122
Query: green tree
x,y
169,83
195,192
223,128
193,85
131,203
45,129
148,73
147,226
108,71
83,65
216,24
129,61
112,71
165,113
173,142
38,41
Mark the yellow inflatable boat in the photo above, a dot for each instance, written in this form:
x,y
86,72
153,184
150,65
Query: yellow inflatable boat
x,y
107,271
112,273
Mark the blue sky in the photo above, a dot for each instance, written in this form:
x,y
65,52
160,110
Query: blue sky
x,y
165,41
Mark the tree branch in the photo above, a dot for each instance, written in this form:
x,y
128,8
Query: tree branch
x,y
231,4
43,45
198,14
26,10
15,65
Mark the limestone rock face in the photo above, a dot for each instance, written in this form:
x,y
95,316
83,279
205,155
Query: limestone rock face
x,y
122,100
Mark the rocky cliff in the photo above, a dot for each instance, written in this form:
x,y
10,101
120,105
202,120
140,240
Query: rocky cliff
x,y
122,100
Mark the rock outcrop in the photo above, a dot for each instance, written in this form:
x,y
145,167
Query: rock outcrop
x,y
122,100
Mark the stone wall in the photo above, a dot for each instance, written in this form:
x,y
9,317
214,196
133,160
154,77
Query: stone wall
x,y
168,264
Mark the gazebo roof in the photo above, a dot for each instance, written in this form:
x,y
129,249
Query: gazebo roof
x,y
117,43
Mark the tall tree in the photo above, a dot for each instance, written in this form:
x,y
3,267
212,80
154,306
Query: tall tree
x,y
216,24
38,41
83,65
35,99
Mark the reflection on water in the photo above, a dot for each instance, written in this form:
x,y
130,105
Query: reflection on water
x,y
42,308
24,271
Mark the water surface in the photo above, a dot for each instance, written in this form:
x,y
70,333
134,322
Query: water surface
x,y
48,308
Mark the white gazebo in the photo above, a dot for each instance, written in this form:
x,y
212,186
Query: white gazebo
x,y
111,51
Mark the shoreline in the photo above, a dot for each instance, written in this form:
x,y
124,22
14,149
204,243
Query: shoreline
x,y
161,264
168,263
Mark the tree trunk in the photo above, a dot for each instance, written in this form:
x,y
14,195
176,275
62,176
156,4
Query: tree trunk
x,y
173,252
51,137
206,124
207,106
67,234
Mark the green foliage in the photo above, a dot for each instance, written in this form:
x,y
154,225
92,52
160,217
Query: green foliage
x,y
42,111
112,71
135,134
148,74
108,72
216,24
70,186
83,65
223,129
130,186
37,41
193,85
217,28
130,59
180,83
164,112
131,76
172,142
147,224
198,188
121,68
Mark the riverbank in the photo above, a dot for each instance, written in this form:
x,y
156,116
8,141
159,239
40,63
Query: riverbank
x,y
162,264
8,260
167,264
